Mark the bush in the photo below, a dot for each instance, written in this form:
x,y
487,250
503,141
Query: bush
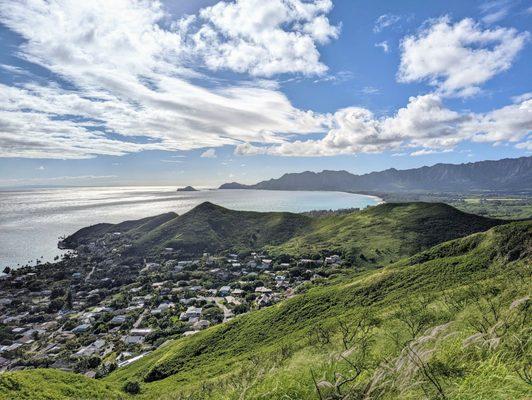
x,y
132,387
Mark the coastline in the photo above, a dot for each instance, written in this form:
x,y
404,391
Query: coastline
x,y
113,205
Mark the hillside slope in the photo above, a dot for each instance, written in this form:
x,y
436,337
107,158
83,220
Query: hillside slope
x,y
451,322
501,175
385,233
378,234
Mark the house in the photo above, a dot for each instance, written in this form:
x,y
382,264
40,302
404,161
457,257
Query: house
x,y
165,306
224,291
89,350
232,300
263,290
5,301
81,328
118,320
193,312
264,300
201,324
140,331
237,292
184,264
132,340
266,263
334,259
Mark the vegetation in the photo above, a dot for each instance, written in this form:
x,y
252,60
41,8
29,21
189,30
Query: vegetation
x,y
376,235
385,233
451,322
509,207
52,384
512,205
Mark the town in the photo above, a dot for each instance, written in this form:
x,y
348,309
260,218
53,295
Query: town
x,y
97,309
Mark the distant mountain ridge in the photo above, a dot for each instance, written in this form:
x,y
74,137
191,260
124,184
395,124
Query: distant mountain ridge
x,y
509,174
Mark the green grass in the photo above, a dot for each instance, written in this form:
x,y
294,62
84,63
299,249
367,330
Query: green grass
x,y
507,208
385,233
379,234
461,307
273,344
50,384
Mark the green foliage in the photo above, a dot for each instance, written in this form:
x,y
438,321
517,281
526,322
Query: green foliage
x,y
377,235
450,322
385,233
48,384
132,387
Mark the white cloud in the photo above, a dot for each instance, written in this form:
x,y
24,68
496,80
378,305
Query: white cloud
x,y
424,152
495,10
262,38
457,58
424,123
370,90
126,75
384,21
126,85
384,46
522,97
209,153
525,145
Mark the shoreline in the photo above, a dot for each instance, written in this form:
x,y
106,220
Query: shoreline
x,y
61,216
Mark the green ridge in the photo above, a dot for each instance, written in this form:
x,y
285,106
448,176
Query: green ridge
x,y
379,234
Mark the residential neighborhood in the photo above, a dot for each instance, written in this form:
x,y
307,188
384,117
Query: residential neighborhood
x,y
96,309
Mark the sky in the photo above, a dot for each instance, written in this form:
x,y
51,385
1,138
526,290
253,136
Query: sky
x,y
140,92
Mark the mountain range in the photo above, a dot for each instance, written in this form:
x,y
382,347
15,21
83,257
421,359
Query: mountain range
x,y
506,175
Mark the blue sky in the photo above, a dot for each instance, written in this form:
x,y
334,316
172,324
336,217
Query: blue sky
x,y
205,92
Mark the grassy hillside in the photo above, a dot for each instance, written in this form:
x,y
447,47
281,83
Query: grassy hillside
x,y
386,232
51,384
212,228
451,322
135,228
376,235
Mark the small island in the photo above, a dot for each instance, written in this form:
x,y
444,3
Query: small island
x,y
187,189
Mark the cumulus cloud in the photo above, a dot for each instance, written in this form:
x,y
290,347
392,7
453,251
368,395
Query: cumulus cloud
x,y
262,38
425,123
127,86
124,82
209,153
457,58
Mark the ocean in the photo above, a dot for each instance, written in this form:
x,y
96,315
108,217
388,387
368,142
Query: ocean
x,y
31,221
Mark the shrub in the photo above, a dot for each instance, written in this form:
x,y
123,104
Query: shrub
x,y
132,387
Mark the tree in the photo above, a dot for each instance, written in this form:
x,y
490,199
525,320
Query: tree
x,y
68,299
132,387
415,316
214,314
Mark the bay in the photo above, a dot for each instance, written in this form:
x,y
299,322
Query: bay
x,y
31,221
